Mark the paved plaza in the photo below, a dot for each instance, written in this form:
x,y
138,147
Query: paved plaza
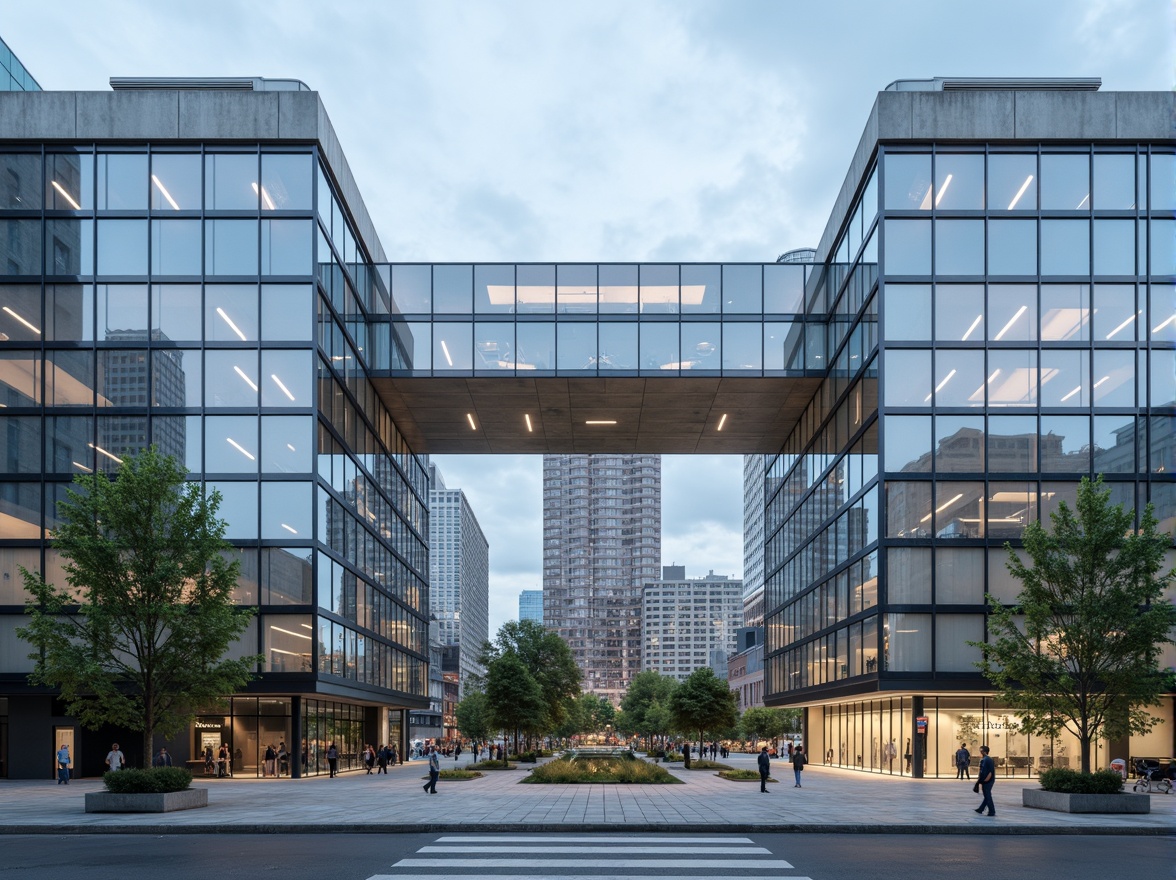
x,y
831,800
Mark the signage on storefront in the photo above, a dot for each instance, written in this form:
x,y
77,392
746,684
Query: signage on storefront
x,y
208,725
921,724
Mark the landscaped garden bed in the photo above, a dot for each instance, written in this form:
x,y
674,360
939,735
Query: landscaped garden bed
x,y
589,769
742,775
157,790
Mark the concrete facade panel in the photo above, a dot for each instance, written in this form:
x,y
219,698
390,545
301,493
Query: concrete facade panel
x,y
962,115
112,115
1145,115
229,115
1065,115
38,115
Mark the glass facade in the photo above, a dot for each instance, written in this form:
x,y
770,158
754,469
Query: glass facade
x,y
13,76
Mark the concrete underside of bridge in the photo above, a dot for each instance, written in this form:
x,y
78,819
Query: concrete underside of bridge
x,y
653,415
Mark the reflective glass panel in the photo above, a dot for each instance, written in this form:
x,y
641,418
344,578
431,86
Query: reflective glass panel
x,y
576,346
1065,444
1065,182
175,182
959,576
1115,315
1161,433
1114,444
69,313
452,344
175,377
908,571
287,444
959,313
1162,235
69,447
286,247
230,182
908,377
959,247
69,247
1162,182
412,289
69,181
742,289
959,444
1065,378
575,291
907,181
230,444
958,510
535,289
702,346
784,346
238,507
175,247
419,340
1114,247
1114,378
1065,247
286,378
742,346
1012,182
20,442
175,312
1012,247
122,247
1065,312
494,347
20,247
122,181
618,346
908,507
907,248
959,181
286,182
122,311
907,642
959,377
494,290
1011,507
20,313
536,346
1114,181
908,444
954,638
659,347
618,288
1162,377
1162,312
287,312
230,312
783,288
659,289
20,181
230,378
1012,378
69,378
908,311
701,289
285,511
1012,312
230,247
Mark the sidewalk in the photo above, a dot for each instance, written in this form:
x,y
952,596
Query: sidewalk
x,y
831,800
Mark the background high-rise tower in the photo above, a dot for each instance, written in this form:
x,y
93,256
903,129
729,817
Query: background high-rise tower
x,y
601,542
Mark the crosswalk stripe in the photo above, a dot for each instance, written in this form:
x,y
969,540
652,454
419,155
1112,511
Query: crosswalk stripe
x,y
573,838
572,876
730,864
639,849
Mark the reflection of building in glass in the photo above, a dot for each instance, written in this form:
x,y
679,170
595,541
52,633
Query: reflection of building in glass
x,y
601,542
688,623
531,605
753,540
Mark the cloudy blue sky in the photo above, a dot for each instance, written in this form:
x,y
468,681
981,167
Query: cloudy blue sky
x,y
601,130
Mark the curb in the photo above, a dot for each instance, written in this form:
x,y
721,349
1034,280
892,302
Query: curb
x,y
592,827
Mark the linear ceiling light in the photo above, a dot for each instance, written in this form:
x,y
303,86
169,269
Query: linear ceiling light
x,y
527,416
281,385
942,190
1159,327
163,191
1013,320
470,419
22,320
1020,192
109,455
290,529
445,348
944,506
265,197
939,387
57,186
232,326
975,324
245,452
722,422
1125,324
1083,202
600,422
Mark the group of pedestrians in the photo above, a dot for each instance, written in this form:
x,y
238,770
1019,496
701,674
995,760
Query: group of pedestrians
x,y
379,760
798,760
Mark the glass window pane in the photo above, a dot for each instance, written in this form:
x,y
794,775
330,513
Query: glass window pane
x,y
576,346
1114,181
954,635
959,247
452,347
1012,312
742,293
959,378
1011,507
230,182
287,444
536,345
1065,312
175,182
175,377
1163,182
230,444
908,575
1012,182
535,289
1114,444
783,346
287,312
1163,247
20,181
286,182
20,445
122,311
908,642
175,247
908,377
659,289
908,311
742,345
419,342
1162,377
959,576
958,510
412,289
69,247
1065,182
908,510
1114,247
959,444
69,378
286,511
908,444
1065,247
959,312
231,378
230,312
702,346
20,312
494,290
286,247
959,181
1065,444
175,312
701,289
122,247
238,508
576,289
1012,378
69,313
1114,378
494,345
659,347
1065,378
1012,444
618,345
122,181
1012,247
907,248
1161,444
1115,315
1162,312
907,181
20,247
69,181
783,289
286,378
230,247
618,288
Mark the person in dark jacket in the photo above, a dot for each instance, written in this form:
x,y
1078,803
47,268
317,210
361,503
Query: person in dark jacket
x,y
163,759
799,759
765,769
985,778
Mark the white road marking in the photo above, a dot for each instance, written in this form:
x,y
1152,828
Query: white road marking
x,y
764,864
640,849
574,838
573,877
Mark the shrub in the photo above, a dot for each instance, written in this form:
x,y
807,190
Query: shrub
x,y
1070,781
600,769
154,780
742,775
672,757
490,764
713,765
523,758
457,773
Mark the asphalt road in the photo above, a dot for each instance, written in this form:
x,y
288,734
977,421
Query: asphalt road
x,y
600,856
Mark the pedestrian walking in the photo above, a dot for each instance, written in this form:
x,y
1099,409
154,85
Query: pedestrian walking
x,y
163,759
63,765
115,759
369,758
333,760
457,752
984,780
963,759
382,760
283,759
270,767
223,762
394,758
765,768
209,762
434,771
799,759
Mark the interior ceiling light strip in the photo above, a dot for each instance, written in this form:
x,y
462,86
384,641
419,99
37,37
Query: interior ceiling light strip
x,y
600,422
470,419
722,422
22,320
163,191
232,326
527,416
57,186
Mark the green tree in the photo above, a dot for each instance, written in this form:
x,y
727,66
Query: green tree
x,y
658,721
138,637
514,697
703,702
646,689
760,722
1080,650
549,660
473,716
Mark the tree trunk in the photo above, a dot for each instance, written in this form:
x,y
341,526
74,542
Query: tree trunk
x,y
148,736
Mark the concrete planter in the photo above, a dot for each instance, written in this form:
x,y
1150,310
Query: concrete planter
x,y
109,802
1065,802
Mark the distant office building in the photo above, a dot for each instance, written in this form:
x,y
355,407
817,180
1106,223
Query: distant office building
x,y
459,563
531,606
753,540
13,76
601,542
689,623
745,668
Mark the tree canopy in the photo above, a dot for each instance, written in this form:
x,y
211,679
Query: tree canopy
x,y
138,637
703,703
760,722
513,696
1080,650
473,716
645,704
547,658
